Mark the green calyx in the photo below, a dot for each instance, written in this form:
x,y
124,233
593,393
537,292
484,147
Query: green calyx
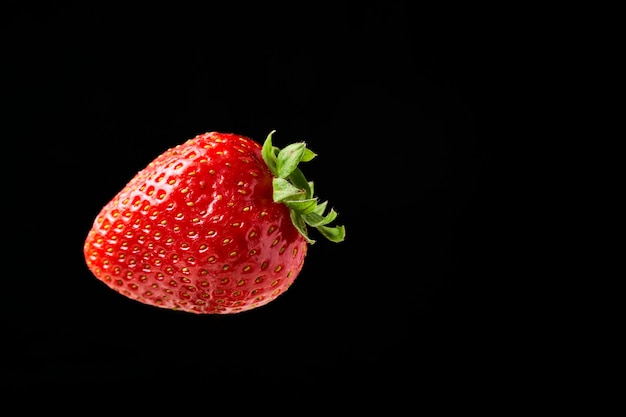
x,y
292,189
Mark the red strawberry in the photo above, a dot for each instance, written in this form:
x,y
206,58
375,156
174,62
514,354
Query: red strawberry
x,y
217,224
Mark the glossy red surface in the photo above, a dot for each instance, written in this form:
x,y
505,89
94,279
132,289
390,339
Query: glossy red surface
x,y
197,230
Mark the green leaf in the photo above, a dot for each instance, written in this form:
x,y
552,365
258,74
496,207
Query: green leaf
x,y
308,155
290,187
268,154
314,219
300,225
283,189
321,208
297,178
334,234
289,158
302,207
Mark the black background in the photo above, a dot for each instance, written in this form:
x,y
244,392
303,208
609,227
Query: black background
x,y
400,103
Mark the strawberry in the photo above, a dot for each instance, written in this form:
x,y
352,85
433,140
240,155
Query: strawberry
x,y
215,225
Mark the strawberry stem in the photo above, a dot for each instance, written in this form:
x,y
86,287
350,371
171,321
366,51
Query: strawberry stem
x,y
292,189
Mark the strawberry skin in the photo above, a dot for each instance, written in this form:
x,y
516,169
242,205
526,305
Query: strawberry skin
x,y
198,230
